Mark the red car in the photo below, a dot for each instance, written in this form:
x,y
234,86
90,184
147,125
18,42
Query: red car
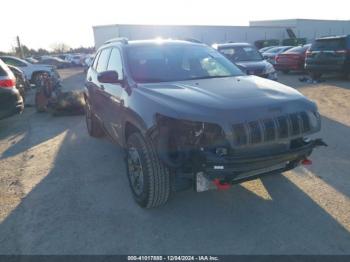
x,y
292,59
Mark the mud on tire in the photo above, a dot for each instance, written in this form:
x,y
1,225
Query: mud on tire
x,y
155,189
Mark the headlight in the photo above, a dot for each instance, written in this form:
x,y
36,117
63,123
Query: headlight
x,y
201,134
269,69
314,119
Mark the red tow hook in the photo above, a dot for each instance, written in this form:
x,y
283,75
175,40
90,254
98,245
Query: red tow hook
x,y
306,162
221,185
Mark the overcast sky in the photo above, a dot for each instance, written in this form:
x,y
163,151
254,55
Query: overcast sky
x,y
41,23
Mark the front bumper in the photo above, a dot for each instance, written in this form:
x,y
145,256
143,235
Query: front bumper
x,y
235,169
290,66
56,78
324,68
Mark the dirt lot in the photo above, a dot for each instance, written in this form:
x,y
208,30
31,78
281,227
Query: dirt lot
x,y
62,192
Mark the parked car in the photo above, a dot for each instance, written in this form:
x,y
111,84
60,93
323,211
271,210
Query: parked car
x,y
32,71
55,61
292,60
11,101
75,59
31,60
248,59
186,115
87,62
271,54
22,84
264,49
329,54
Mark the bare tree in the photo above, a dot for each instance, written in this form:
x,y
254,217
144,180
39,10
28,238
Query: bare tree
x,y
60,47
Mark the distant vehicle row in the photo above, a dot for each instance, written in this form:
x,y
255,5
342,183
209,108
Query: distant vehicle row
x,y
32,71
324,55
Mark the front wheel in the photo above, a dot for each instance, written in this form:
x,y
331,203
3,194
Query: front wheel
x,y
149,178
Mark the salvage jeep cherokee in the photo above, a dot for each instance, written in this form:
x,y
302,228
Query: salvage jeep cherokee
x,y
187,116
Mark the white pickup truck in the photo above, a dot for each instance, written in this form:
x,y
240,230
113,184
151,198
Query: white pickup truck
x,y
32,71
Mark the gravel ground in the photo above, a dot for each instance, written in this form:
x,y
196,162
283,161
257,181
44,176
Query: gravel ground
x,y
62,192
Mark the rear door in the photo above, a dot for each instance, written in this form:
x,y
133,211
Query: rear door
x,y
328,51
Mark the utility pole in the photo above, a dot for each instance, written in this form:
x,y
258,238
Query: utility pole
x,y
19,46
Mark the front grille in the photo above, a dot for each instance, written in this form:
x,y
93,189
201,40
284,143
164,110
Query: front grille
x,y
255,132
269,126
240,134
271,129
282,130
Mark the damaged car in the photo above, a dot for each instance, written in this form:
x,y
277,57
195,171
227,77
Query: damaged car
x,y
188,117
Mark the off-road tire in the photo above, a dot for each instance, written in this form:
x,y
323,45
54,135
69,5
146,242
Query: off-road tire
x,y
156,176
94,127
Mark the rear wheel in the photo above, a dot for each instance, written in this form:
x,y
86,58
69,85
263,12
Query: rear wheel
x,y
93,125
149,178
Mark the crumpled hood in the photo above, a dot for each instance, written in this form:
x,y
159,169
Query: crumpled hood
x,y
232,98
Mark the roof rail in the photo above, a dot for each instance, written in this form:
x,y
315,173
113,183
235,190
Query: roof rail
x,y
122,40
193,40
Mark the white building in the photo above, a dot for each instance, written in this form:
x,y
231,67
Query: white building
x,y
257,30
309,28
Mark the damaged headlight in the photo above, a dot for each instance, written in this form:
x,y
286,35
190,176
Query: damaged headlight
x,y
270,72
269,69
314,120
193,133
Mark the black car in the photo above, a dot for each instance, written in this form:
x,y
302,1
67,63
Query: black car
x,y
328,55
11,101
248,59
188,117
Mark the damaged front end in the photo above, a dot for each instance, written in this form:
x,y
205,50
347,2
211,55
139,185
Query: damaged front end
x,y
208,157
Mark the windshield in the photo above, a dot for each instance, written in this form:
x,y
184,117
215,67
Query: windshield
x,y
277,50
298,49
241,53
165,63
329,44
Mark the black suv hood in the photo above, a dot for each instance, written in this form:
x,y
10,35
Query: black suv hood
x,y
219,100
253,67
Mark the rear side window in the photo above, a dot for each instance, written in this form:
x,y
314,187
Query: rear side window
x,y
115,63
103,60
329,44
14,62
3,69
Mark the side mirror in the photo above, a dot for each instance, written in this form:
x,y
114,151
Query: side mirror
x,y
109,77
